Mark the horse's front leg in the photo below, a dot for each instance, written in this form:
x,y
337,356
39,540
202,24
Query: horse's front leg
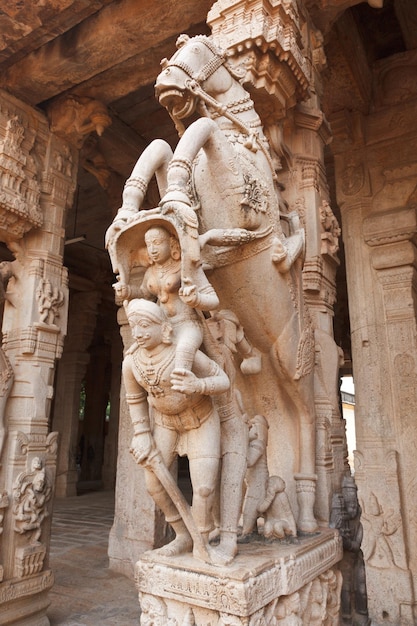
x,y
301,391
306,478
178,200
202,134
154,160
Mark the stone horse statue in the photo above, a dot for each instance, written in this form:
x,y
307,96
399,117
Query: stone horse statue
x,y
219,192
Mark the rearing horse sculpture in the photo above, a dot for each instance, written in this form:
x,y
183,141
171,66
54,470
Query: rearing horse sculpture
x,y
220,188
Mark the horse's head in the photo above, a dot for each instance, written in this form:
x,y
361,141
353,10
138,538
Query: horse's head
x,y
196,60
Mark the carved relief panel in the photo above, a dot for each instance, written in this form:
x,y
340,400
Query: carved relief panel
x,y
19,179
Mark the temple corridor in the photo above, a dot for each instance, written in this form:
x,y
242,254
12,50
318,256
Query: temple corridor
x,y
86,592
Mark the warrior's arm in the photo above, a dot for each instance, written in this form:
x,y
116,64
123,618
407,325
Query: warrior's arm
x,y
207,378
136,398
142,442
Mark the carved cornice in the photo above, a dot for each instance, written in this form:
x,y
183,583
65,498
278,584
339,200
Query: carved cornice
x,y
266,36
313,119
390,227
19,187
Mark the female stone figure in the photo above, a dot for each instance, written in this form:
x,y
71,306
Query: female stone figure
x,y
178,298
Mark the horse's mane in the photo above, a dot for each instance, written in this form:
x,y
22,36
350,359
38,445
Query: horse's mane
x,y
238,73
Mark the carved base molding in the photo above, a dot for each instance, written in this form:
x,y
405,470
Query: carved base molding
x,y
24,601
263,581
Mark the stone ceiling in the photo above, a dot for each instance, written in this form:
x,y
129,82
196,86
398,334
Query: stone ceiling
x,y
110,50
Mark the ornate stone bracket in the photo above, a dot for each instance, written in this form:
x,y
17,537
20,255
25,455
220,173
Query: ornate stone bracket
x,y
73,118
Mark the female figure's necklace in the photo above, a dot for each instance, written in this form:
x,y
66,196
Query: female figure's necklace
x,y
168,267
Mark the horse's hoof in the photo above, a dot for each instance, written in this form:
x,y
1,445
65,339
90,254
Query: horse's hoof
x,y
307,527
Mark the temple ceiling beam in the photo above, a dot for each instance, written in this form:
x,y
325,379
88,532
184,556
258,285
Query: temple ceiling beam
x,y
100,43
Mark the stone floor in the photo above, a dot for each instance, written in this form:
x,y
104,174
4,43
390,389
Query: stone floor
x,y
86,592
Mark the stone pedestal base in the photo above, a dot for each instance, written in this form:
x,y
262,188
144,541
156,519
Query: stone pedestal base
x,y
265,583
24,601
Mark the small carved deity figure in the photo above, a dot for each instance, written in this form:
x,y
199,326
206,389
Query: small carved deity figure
x,y
265,495
276,508
346,517
381,549
31,495
315,611
257,473
50,300
331,227
153,611
177,297
333,580
288,610
173,414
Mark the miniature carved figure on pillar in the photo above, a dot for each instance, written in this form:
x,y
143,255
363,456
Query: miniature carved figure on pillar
x,y
346,514
31,494
265,495
50,300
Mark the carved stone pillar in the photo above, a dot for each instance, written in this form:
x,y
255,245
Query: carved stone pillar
x,y
36,172
306,192
376,186
71,371
283,55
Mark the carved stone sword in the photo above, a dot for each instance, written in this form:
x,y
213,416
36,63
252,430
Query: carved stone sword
x,y
158,467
